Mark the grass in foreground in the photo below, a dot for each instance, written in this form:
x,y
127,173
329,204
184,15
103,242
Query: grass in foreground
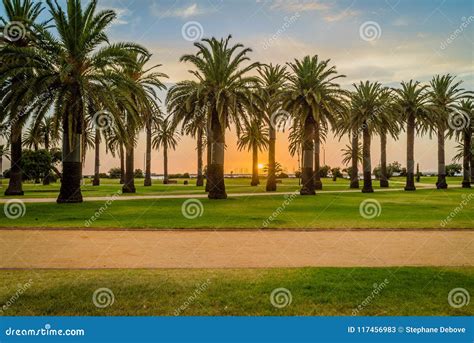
x,y
420,209
233,185
243,292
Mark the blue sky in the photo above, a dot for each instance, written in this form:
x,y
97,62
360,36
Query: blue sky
x,y
387,40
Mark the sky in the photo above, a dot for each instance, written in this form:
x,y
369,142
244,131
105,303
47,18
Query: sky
x,y
387,40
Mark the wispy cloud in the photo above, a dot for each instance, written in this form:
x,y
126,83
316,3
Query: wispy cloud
x,y
329,11
298,6
340,16
185,12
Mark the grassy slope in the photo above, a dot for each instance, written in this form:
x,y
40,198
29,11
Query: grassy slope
x,y
109,187
315,291
420,209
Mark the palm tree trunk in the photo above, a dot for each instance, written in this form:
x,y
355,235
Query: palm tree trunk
x,y
271,178
165,164
122,164
441,183
96,180
70,191
472,165
383,160
466,182
46,179
129,182
307,174
355,160
317,153
1,170
367,166
208,152
410,184
200,177
215,170
15,183
255,181
147,181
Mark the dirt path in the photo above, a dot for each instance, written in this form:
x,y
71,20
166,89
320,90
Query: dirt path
x,y
232,249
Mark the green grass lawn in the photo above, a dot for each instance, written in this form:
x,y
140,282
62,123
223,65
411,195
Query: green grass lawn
x,y
235,185
314,291
421,209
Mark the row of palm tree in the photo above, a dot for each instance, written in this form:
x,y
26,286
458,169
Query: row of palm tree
x,y
72,79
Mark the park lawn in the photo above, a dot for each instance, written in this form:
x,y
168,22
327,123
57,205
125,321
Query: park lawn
x,y
416,291
109,187
398,209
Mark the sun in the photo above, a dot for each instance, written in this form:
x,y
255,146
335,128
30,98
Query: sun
x,y
260,166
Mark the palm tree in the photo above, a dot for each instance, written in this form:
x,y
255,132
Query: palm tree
x,y
151,123
444,94
466,109
227,89
70,71
348,154
273,79
410,103
315,99
388,124
254,137
369,106
187,106
18,32
165,137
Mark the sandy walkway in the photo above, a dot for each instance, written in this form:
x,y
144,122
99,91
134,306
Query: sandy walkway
x,y
210,249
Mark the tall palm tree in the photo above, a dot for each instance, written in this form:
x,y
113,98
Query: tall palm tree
x,y
315,99
167,138
227,89
151,123
69,71
444,94
18,27
368,107
188,107
466,109
388,123
410,103
273,79
254,137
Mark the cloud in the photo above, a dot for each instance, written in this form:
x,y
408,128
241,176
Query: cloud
x,y
342,15
400,22
330,13
185,12
298,6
